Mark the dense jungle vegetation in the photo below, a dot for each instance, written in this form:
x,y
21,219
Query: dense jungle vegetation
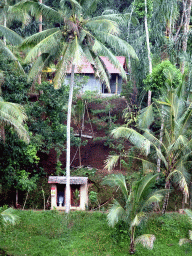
x,y
137,147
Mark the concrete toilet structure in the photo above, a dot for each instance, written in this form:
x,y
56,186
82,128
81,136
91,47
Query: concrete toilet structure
x,y
78,189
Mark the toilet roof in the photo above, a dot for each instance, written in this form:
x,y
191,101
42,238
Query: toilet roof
x,y
63,180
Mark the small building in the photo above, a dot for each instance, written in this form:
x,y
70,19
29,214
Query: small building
x,y
93,83
78,188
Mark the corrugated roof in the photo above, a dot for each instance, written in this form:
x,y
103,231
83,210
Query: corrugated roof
x,y
63,180
86,68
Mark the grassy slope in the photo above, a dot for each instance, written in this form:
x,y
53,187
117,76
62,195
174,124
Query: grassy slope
x,y
87,234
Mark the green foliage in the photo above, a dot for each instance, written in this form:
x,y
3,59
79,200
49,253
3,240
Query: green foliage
x,y
139,6
47,117
93,199
156,82
84,172
24,182
15,88
134,205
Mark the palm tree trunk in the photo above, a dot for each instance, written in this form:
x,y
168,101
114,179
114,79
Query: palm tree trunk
x,y
160,139
5,25
68,195
132,243
166,199
187,15
40,30
148,50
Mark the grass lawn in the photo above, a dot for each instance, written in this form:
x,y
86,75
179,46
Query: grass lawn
x,y
87,233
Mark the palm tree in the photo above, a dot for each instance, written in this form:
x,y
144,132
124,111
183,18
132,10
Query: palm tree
x,y
174,150
74,39
135,205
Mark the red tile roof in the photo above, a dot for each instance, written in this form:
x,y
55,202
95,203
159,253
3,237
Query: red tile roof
x,y
86,67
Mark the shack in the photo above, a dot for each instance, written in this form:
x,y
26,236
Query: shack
x,y
93,83
78,188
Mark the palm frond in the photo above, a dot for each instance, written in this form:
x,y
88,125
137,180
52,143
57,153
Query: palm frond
x,y
119,181
36,9
180,143
44,46
101,50
180,179
37,68
109,26
33,40
63,65
74,4
9,216
89,6
111,162
7,54
119,46
102,72
148,167
116,212
138,219
10,35
146,240
146,117
154,198
13,114
145,184
134,137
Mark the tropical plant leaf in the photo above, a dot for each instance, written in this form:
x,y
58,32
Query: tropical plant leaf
x,y
116,212
134,137
111,162
33,40
146,117
10,35
119,181
13,114
138,219
146,240
8,216
181,182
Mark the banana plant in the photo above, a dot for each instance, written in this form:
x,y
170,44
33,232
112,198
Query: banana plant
x,y
135,205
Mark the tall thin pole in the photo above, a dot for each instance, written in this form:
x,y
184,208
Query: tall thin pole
x,y
40,30
68,194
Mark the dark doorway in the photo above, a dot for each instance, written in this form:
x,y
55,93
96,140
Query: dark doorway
x,y
60,195
75,195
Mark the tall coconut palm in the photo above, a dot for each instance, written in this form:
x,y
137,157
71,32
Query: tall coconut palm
x,y
74,38
136,202
174,150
